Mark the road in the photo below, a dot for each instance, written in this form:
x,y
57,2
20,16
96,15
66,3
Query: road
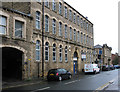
x,y
87,82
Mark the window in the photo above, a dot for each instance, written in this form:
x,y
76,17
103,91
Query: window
x,y
3,25
74,35
84,39
78,37
60,53
74,18
84,24
38,20
38,0
18,29
70,15
54,52
66,59
46,51
60,8
81,37
70,33
60,29
87,40
53,5
87,26
65,12
47,3
81,22
65,31
54,26
37,50
78,20
46,23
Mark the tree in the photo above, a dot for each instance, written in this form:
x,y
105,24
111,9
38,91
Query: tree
x,y
116,60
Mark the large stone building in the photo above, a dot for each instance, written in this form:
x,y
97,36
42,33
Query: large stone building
x,y
102,55
68,38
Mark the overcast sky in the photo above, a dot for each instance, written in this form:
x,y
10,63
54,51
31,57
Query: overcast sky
x,y
104,15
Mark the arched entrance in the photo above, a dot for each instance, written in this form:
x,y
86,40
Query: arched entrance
x,y
75,63
11,64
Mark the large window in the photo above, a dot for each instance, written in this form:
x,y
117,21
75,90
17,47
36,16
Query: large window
x,y
65,31
66,57
18,29
46,23
54,52
70,33
74,35
54,26
3,25
65,12
78,37
60,29
84,39
70,15
74,18
87,40
60,8
78,22
38,20
81,37
37,50
47,3
81,22
53,5
46,51
60,53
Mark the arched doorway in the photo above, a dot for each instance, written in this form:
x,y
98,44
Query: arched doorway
x,y
11,64
75,63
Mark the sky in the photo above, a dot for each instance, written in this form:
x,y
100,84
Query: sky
x,y
104,15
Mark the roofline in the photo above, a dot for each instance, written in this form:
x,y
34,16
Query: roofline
x,y
77,11
18,12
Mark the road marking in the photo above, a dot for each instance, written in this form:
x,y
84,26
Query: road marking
x,y
41,89
71,82
107,84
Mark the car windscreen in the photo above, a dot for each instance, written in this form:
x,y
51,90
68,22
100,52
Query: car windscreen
x,y
52,71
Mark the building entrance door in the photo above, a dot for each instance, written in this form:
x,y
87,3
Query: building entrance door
x,y
75,67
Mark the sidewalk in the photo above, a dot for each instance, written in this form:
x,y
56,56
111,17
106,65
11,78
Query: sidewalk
x,y
6,85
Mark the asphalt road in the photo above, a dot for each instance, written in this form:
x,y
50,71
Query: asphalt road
x,y
87,82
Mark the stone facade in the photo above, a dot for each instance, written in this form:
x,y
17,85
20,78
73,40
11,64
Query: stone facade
x,y
76,44
102,54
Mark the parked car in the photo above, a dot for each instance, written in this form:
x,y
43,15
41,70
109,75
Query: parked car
x,y
91,68
105,68
58,74
116,66
111,67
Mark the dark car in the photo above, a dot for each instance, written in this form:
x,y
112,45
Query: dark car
x,y
58,74
116,66
111,67
105,68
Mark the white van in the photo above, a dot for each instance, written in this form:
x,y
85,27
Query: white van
x,y
91,68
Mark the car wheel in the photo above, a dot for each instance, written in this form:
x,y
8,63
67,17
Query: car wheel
x,y
94,72
70,76
60,78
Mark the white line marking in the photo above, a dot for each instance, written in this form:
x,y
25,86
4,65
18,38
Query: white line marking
x,y
71,82
41,89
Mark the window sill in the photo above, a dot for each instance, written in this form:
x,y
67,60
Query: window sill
x,y
21,39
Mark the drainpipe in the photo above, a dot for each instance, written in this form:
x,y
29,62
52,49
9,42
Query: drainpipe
x,y
43,39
